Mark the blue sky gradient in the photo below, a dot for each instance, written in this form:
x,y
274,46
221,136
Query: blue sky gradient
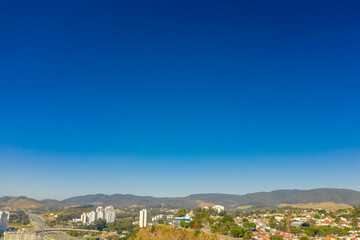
x,y
124,96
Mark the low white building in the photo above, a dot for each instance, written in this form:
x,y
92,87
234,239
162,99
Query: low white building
x,y
158,217
20,235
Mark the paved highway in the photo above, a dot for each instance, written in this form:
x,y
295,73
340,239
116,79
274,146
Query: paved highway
x,y
39,224
53,233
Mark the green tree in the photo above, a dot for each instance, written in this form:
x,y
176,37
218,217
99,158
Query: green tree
x,y
222,213
247,235
227,218
215,228
237,232
181,213
224,230
354,223
276,237
184,224
99,224
249,225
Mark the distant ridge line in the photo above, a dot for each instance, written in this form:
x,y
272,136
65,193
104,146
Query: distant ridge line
x,y
230,201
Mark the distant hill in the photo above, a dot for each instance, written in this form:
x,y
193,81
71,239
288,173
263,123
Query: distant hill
x,y
19,202
160,232
339,197
260,199
29,203
126,200
274,198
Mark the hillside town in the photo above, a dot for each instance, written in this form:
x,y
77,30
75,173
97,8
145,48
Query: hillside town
x,y
96,222
265,224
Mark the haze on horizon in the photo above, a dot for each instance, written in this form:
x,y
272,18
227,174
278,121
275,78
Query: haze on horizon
x,y
173,98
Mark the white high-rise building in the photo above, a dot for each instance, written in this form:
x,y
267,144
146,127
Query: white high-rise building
x,y
92,216
4,220
218,208
144,218
85,218
99,209
100,215
109,214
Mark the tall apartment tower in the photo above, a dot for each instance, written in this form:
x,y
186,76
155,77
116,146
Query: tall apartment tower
x,y
92,216
109,214
85,218
99,209
144,218
4,220
100,213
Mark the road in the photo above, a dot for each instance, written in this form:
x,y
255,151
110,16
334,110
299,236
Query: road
x,y
39,224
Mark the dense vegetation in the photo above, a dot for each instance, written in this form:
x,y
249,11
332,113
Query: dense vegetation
x,y
118,225
169,232
19,217
66,215
219,223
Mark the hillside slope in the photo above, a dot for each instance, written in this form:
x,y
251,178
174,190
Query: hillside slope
x,y
19,202
126,200
29,203
260,199
274,198
160,232
230,201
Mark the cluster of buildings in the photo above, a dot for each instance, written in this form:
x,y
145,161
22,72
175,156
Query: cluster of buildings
x,y
217,208
264,231
108,214
20,235
145,218
186,218
4,220
323,221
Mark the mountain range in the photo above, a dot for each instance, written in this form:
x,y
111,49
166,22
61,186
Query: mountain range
x,y
230,201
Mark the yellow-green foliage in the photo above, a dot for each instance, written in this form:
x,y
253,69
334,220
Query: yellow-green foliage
x,y
159,232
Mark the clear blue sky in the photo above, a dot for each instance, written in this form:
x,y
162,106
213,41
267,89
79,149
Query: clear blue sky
x,y
169,98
